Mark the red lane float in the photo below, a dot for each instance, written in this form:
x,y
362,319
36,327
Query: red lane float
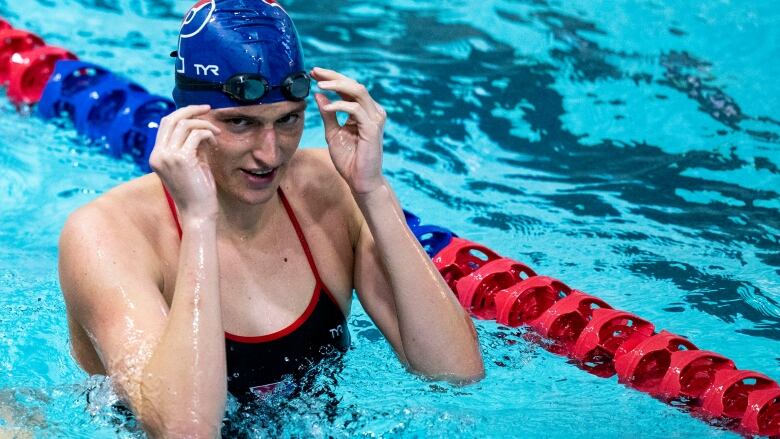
x,y
727,396
12,42
4,24
609,333
460,258
762,416
644,367
477,290
524,302
30,72
607,341
690,373
565,320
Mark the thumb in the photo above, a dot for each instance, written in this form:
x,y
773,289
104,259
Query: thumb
x,y
328,117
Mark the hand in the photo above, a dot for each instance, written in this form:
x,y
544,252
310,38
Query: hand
x,y
356,146
177,159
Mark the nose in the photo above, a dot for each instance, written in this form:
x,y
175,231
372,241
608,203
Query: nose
x,y
266,148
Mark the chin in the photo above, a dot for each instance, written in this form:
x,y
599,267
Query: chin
x,y
257,197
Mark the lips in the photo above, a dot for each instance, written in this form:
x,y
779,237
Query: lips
x,y
258,178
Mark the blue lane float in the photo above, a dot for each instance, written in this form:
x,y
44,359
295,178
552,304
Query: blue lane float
x,y
105,108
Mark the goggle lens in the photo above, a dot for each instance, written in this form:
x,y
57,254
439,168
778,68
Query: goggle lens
x,y
253,90
298,87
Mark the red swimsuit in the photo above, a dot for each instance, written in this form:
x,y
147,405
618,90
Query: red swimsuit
x,y
256,364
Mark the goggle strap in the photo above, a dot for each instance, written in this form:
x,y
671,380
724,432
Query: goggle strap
x,y
187,83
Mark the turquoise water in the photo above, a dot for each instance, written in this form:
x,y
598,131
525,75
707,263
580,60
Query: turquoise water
x,y
631,149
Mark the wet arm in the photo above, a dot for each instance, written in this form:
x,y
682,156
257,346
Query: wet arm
x,y
184,382
169,364
396,281
407,296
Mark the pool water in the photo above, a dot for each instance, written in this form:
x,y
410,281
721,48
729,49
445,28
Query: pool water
x,y
628,148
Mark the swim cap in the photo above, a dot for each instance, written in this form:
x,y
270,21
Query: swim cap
x,y
222,38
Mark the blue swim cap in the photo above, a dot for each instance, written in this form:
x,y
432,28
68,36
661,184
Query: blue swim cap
x,y
222,38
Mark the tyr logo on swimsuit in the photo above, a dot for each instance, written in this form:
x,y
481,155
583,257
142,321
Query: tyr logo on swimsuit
x,y
335,332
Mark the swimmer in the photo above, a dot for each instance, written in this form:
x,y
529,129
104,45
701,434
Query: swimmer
x,y
233,265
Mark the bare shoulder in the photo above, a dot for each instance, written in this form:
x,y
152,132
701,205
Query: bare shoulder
x,y
314,181
114,223
313,177
115,214
312,170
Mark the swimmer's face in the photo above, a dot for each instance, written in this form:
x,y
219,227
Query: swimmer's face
x,y
254,148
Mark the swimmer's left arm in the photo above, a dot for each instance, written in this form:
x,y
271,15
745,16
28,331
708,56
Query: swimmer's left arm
x,y
396,281
437,336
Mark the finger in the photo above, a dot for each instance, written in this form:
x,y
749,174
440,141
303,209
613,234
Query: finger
x,y
349,90
189,148
353,109
326,75
169,122
320,74
195,139
329,118
352,91
184,127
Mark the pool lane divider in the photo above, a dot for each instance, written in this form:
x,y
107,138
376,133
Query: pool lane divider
x,y
603,341
111,111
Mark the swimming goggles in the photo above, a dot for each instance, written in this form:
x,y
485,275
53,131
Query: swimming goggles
x,y
249,88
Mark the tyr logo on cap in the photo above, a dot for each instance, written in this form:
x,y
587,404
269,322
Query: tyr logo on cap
x,y
197,18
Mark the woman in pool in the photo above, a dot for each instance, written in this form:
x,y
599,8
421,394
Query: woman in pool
x,y
233,265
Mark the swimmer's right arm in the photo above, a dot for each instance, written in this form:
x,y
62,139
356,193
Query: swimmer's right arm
x,y
168,363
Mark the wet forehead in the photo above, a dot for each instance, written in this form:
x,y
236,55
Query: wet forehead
x,y
262,111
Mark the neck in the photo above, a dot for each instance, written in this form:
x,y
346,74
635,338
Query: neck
x,y
237,218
